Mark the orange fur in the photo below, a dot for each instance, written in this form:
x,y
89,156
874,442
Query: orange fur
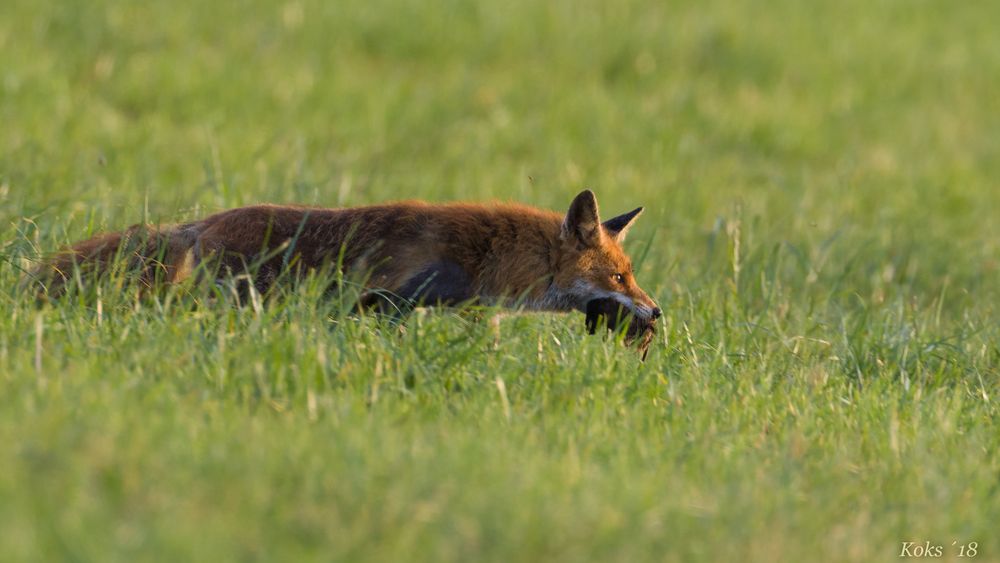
x,y
503,253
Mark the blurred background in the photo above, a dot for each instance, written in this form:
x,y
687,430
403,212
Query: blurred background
x,y
860,123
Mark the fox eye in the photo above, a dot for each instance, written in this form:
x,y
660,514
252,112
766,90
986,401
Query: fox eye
x,y
620,279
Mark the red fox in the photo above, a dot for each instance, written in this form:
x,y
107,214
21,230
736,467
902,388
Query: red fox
x,y
504,254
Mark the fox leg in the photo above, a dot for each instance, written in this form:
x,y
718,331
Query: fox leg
x,y
439,283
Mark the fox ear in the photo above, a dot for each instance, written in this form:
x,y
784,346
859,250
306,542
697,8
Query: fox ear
x,y
582,223
618,226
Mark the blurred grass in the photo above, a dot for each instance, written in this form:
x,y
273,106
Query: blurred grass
x,y
820,183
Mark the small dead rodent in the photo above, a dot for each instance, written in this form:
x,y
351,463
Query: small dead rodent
x,y
614,314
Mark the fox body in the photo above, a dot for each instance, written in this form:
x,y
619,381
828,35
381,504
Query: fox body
x,y
435,254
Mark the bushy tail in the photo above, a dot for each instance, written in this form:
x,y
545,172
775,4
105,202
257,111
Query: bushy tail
x,y
142,253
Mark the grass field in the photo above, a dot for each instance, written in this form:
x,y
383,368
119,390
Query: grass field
x,y
822,186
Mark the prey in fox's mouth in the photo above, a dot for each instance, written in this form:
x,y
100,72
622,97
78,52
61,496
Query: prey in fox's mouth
x,y
612,314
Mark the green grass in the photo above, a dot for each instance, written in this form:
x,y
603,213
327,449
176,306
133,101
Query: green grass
x,y
820,181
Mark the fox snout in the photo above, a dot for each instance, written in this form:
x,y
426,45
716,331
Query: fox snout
x,y
643,307
648,312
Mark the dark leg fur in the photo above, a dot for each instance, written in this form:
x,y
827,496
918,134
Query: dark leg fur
x,y
441,283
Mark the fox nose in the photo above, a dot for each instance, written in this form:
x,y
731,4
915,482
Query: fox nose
x,y
657,313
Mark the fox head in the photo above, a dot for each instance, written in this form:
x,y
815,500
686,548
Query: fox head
x,y
593,265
